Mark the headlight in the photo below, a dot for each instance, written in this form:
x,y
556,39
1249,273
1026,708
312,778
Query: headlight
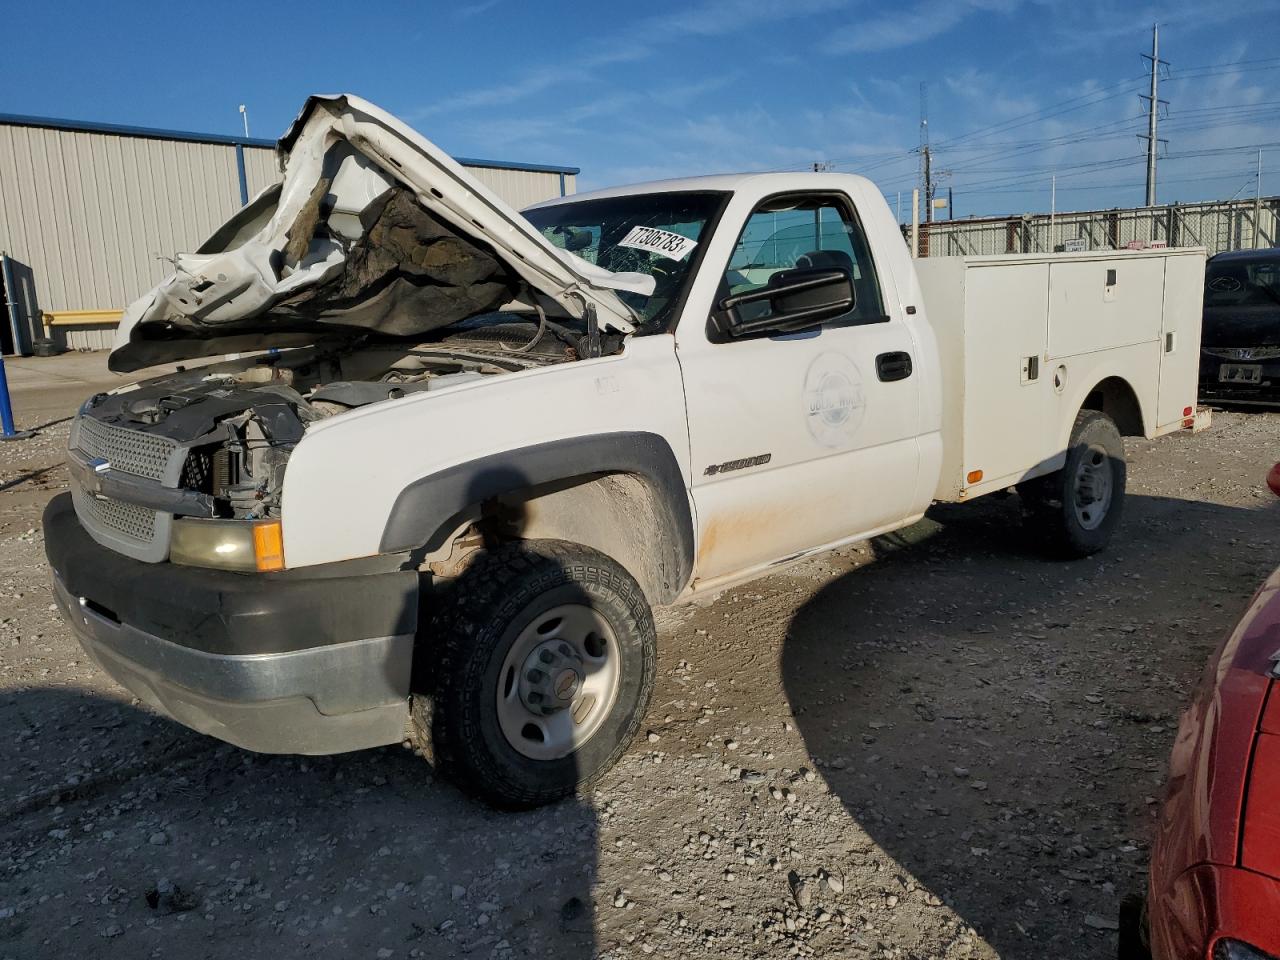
x,y
252,546
1236,950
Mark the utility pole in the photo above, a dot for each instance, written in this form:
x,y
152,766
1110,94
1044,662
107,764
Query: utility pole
x,y
915,223
1257,205
899,206
928,185
244,115
1053,206
1153,113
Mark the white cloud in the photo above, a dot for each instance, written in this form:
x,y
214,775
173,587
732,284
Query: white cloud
x,y
468,10
714,18
633,43
903,28
531,82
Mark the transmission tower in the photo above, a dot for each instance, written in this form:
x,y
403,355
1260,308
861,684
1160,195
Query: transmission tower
x,y
1153,112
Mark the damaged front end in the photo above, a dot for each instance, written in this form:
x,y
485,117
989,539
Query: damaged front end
x,y
190,467
377,268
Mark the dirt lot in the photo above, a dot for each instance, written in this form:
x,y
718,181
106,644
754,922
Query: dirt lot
x,y
965,739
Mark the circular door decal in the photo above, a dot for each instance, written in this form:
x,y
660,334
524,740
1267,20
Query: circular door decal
x,y
834,399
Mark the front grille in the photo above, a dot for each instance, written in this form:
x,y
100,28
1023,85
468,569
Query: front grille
x,y
141,454
127,519
135,531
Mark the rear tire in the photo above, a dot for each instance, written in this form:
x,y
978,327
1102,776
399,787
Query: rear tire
x,y
540,663
1075,510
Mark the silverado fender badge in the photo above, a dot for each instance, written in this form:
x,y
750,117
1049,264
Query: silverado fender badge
x,y
756,461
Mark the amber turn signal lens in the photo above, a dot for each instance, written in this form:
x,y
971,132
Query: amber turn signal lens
x,y
975,476
268,546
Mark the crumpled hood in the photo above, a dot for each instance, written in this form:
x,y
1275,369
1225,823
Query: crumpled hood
x,y
373,229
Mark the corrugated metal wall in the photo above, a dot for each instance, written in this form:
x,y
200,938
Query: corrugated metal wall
x,y
259,170
520,188
94,214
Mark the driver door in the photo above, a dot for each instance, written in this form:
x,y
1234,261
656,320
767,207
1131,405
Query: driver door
x,y
799,440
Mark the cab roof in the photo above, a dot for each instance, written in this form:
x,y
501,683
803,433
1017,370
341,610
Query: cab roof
x,y
774,182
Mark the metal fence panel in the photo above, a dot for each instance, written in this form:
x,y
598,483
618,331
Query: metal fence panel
x,y
1218,226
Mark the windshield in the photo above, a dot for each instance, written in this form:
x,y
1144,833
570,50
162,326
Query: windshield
x,y
657,234
1242,283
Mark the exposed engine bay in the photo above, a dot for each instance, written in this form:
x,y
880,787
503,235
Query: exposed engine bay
x,y
241,419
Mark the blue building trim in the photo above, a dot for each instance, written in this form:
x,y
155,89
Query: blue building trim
x,y
244,180
125,130
186,136
516,165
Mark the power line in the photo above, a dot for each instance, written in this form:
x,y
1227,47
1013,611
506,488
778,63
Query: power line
x,y
978,150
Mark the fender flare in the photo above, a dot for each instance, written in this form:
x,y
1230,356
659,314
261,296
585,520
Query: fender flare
x,y
429,509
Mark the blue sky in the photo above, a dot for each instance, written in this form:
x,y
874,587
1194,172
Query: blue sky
x,y
1018,90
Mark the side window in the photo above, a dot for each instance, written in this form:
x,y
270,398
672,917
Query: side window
x,y
806,232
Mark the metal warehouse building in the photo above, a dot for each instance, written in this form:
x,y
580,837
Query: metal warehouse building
x,y
90,211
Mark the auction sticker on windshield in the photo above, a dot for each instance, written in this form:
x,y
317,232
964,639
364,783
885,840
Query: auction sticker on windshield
x,y
662,242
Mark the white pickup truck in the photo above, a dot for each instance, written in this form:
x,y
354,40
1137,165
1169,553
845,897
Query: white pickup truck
x,y
471,448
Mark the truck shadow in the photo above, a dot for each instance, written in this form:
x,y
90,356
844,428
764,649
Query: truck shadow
x,y
124,830
990,725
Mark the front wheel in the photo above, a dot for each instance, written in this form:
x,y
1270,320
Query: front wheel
x,y
1076,509
541,665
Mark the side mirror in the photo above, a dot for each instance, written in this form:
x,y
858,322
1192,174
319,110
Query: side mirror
x,y
792,300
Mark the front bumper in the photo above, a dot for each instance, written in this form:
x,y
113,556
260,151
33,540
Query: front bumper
x,y
310,661
1266,390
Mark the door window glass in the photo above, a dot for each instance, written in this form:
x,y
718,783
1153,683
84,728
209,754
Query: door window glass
x,y
791,233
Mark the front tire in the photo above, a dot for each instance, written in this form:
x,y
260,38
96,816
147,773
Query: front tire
x,y
542,662
1075,510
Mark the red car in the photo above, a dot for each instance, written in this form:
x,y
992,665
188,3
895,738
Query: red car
x,y
1215,864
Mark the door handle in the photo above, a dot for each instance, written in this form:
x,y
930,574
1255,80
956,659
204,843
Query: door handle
x,y
893,366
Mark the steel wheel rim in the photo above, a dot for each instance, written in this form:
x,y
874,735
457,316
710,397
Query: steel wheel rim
x,y
565,713
1092,488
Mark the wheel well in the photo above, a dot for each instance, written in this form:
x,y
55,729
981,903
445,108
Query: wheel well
x,y
623,515
1114,397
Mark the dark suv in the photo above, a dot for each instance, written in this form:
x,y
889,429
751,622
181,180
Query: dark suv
x,y
1240,344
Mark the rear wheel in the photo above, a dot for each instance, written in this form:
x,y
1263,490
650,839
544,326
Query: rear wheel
x,y
541,665
1076,509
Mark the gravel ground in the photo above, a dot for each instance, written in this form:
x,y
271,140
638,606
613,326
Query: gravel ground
x,y
938,744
